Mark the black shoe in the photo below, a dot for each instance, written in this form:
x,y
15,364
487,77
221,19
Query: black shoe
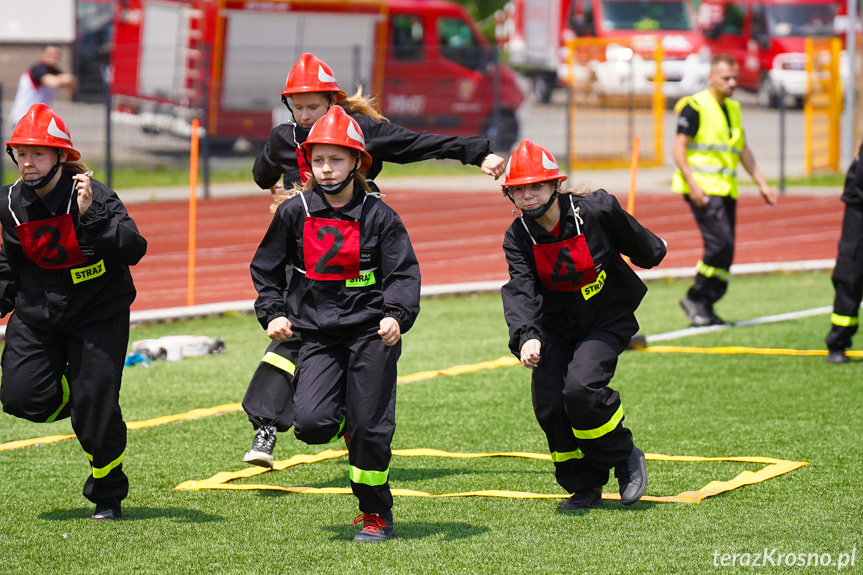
x,y
261,453
376,527
837,356
584,499
107,511
697,312
632,477
638,341
716,320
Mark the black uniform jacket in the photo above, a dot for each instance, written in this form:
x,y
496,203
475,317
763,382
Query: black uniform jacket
x,y
329,306
853,190
49,299
385,142
532,310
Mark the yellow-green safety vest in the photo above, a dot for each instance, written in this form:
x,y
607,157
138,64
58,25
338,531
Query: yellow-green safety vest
x,y
713,154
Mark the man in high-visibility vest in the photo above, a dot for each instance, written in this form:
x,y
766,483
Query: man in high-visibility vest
x,y
848,273
709,144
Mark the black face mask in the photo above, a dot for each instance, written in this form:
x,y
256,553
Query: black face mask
x,y
40,182
537,213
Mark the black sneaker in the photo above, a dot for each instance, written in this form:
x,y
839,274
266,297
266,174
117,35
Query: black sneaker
x,y
261,453
837,356
376,527
584,499
107,511
632,477
697,312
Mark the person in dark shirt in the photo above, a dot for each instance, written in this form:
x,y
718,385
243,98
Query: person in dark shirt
x,y
68,243
354,290
310,91
848,273
570,306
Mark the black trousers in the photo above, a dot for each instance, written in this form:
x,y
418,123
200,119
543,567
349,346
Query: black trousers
x,y
848,279
716,222
346,387
269,399
49,376
571,397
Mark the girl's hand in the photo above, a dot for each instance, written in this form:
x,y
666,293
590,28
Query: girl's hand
x,y
493,165
279,329
390,331
530,353
85,192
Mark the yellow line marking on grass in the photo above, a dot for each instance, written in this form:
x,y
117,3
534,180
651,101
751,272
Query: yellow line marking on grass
x,y
232,407
742,350
773,468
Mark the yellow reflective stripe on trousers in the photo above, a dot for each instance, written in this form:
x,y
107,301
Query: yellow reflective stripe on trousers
x,y
339,434
279,362
843,320
372,478
559,457
710,271
100,472
602,429
65,384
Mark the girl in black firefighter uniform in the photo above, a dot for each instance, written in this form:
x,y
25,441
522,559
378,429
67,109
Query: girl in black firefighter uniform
x,y
848,273
64,271
354,290
570,304
310,90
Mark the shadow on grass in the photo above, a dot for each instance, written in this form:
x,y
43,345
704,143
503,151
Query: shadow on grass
x,y
610,505
446,531
178,514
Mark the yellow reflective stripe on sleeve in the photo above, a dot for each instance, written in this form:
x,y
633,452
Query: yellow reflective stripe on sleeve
x,y
279,362
65,384
87,273
602,429
339,434
372,478
100,472
843,320
558,457
710,271
594,288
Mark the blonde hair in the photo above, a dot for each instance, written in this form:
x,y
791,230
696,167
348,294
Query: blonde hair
x,y
76,167
363,105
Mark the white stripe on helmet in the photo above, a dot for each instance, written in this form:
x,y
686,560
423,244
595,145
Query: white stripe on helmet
x,y
354,134
548,163
323,76
54,130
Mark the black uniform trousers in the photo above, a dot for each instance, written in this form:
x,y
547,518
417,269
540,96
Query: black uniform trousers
x,y
716,222
346,386
570,392
269,399
49,376
848,278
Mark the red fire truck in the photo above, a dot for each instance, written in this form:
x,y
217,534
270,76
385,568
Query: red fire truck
x,y
424,60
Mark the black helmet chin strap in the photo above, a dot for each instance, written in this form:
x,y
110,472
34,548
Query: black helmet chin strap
x,y
333,189
537,213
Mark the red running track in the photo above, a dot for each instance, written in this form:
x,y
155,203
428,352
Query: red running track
x,y
457,237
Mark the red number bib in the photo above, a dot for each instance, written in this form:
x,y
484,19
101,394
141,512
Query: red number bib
x,y
566,265
52,243
331,249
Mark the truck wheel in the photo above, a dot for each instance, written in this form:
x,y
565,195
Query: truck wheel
x,y
503,134
766,93
543,87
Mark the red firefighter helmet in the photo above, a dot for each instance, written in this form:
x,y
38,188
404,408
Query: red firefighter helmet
x,y
336,127
531,163
310,74
41,126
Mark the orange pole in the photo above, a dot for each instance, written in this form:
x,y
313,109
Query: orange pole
x,y
193,211
633,171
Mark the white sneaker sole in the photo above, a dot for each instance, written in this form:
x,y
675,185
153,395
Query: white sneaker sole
x,y
258,458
